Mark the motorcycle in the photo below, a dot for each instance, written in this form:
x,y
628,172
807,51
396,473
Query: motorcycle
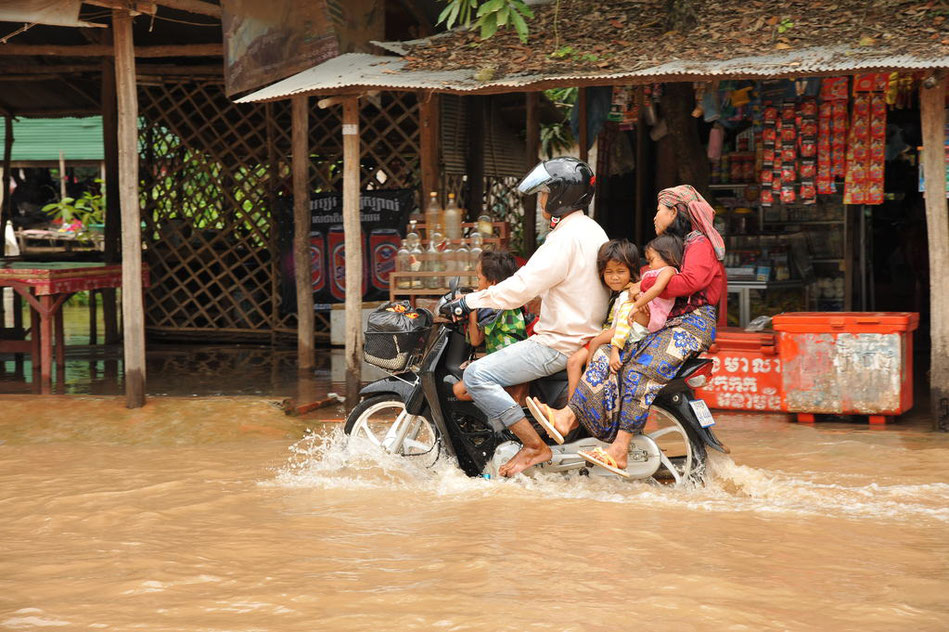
x,y
414,413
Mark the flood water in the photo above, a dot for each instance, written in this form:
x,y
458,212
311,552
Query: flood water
x,y
224,514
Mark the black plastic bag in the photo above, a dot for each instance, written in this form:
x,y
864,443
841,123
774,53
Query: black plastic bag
x,y
398,317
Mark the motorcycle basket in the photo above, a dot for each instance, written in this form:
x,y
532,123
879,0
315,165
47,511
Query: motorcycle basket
x,y
395,339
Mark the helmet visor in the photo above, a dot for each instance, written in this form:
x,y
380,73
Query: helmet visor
x,y
534,181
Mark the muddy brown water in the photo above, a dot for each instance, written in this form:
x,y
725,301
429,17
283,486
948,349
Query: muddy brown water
x,y
223,514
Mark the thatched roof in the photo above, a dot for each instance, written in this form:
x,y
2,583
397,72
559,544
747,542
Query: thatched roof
x,y
588,38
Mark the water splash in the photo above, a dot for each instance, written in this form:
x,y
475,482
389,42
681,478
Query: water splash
x,y
335,461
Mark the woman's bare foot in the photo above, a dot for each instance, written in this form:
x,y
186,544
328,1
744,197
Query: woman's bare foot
x,y
524,459
620,453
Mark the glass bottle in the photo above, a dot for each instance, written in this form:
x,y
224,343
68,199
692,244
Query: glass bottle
x,y
435,263
485,225
452,219
433,216
416,257
449,263
462,260
474,252
403,263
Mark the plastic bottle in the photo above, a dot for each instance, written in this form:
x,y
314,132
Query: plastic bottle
x,y
435,263
433,216
452,218
474,253
403,263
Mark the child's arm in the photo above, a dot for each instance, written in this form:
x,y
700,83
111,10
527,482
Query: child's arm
x,y
475,335
661,282
601,339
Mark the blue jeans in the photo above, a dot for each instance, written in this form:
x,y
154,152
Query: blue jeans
x,y
520,362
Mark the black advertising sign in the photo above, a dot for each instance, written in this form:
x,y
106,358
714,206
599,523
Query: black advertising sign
x,y
383,216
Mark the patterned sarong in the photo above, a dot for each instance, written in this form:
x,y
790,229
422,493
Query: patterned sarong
x,y
606,403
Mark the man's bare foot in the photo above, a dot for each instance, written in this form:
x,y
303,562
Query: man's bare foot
x,y
524,459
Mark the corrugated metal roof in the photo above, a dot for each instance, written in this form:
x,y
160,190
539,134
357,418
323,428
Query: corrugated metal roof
x,y
354,71
43,139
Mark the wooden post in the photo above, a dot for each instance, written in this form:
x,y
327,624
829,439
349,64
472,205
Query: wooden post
x,y
301,231
62,176
475,157
429,143
531,150
6,211
353,244
113,215
133,312
640,170
932,104
582,119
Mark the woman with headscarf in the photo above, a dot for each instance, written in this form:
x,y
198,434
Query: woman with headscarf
x,y
613,407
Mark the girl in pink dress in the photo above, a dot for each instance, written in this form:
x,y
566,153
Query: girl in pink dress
x,y
664,256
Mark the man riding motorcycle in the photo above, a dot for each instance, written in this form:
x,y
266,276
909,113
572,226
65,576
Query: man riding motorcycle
x,y
563,273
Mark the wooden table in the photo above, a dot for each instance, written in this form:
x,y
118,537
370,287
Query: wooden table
x,y
46,286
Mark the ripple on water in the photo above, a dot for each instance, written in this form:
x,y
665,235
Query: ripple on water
x,y
331,461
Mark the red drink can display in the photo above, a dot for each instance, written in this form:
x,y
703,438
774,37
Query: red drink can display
x,y
317,264
337,264
383,247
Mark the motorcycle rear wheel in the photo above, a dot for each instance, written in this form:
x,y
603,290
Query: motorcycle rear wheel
x,y
683,452
383,421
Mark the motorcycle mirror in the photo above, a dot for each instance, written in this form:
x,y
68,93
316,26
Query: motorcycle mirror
x,y
453,286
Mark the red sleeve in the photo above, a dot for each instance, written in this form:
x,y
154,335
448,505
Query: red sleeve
x,y
699,267
646,283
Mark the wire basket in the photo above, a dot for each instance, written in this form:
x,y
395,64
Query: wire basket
x,y
394,351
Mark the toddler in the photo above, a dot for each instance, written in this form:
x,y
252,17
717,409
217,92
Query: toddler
x,y
664,257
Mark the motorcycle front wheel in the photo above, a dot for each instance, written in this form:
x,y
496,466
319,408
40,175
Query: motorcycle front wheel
x,y
682,451
383,421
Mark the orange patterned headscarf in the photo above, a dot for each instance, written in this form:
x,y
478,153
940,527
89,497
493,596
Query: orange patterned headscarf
x,y
700,213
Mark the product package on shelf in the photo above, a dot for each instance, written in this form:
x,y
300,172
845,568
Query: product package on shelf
x,y
866,150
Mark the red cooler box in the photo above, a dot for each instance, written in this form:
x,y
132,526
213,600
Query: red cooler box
x,y
846,363
746,371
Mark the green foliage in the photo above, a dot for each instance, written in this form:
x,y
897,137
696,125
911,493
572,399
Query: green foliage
x,y
89,209
488,16
557,138
785,25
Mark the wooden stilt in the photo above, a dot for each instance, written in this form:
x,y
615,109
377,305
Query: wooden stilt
x,y
113,216
93,317
133,312
46,345
301,231
932,104
531,149
353,241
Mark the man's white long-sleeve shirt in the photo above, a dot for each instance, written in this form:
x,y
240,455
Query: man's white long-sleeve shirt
x,y
563,273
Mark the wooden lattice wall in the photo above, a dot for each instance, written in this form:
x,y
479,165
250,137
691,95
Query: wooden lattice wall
x,y
212,173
